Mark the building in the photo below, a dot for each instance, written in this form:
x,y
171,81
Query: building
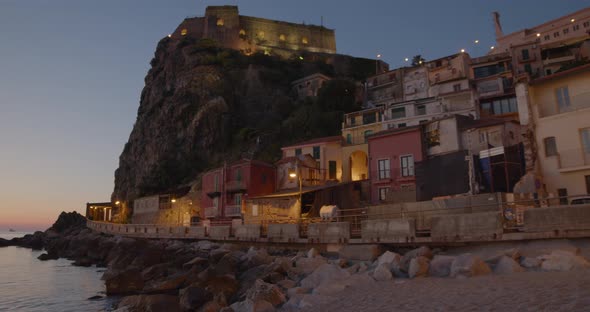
x,y
309,86
559,116
385,88
356,128
293,169
252,34
104,211
392,154
224,189
177,206
326,151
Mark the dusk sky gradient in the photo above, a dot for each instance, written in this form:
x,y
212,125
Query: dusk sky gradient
x,y
71,73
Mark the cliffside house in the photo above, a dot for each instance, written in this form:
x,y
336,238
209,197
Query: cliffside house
x,y
326,151
392,154
309,86
173,207
224,189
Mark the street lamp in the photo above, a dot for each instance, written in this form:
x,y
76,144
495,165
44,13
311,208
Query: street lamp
x,y
377,64
295,173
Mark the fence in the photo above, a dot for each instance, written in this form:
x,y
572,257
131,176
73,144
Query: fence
x,y
473,218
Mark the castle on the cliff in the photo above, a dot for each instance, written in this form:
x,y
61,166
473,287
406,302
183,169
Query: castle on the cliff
x,y
252,34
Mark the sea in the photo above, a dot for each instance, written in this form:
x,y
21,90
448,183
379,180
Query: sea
x,y
28,284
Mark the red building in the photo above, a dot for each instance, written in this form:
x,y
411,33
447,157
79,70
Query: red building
x,y
392,154
224,189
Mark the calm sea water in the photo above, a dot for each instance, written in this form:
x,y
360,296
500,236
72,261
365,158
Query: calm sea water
x,y
27,284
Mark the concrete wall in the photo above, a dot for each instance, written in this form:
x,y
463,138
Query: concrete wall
x,y
481,226
575,217
247,231
219,232
271,210
282,232
388,230
144,205
335,232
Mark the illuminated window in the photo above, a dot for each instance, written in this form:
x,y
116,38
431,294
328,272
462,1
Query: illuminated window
x,y
304,40
282,38
242,32
220,22
261,35
183,32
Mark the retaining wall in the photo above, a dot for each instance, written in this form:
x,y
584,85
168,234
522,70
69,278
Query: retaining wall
x,y
247,232
335,232
282,232
574,217
394,230
475,226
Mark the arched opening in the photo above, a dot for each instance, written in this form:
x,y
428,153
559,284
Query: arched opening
x,y
282,37
359,166
304,40
220,22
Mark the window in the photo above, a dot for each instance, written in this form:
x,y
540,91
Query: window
x,y
525,54
183,32
483,138
242,33
316,152
332,170
297,151
282,37
304,40
421,110
383,193
398,112
528,69
457,87
369,118
239,175
216,182
499,106
401,125
547,37
348,138
562,194
548,71
556,34
238,199
586,24
576,27
384,169
550,146
585,134
565,31
486,109
367,134
563,99
407,163
220,22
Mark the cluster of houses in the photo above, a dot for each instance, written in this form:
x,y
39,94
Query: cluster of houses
x,y
516,120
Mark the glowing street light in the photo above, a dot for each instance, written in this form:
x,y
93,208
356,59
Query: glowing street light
x,y
462,50
476,41
573,20
406,59
538,34
117,202
173,200
492,47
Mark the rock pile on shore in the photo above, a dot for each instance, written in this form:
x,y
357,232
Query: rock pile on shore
x,y
171,275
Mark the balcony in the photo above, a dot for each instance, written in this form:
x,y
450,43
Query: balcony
x,y
557,60
393,175
571,159
233,211
211,212
236,186
576,102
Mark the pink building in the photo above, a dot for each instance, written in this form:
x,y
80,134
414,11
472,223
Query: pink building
x,y
392,154
224,189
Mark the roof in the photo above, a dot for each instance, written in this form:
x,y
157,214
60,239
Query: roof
x,y
550,22
562,74
394,131
335,138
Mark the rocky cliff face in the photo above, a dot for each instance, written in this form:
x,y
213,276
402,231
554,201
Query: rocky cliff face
x,y
202,105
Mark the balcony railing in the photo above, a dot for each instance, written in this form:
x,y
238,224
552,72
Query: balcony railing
x,y
574,158
576,102
233,211
211,212
561,59
235,185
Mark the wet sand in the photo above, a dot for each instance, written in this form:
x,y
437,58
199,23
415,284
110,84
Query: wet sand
x,y
527,291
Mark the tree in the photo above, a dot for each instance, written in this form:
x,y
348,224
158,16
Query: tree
x,y
417,60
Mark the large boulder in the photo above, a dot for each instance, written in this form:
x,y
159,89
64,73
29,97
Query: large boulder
x,y
507,265
305,266
228,264
255,257
149,303
419,267
165,285
560,260
530,262
360,252
388,257
467,265
225,285
440,266
124,282
418,252
193,297
250,305
382,272
266,292
326,273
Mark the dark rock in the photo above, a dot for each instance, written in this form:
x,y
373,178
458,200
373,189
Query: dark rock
x,y
68,221
222,285
167,285
150,303
47,256
95,297
83,262
193,297
124,282
267,292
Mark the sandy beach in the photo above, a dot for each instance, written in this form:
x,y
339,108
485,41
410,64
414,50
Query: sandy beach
x,y
527,291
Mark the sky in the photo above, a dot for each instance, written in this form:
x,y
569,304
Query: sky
x,y
71,74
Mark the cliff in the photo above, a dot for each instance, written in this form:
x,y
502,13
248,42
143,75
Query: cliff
x,y
202,105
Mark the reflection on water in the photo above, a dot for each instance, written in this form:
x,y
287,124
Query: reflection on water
x,y
27,284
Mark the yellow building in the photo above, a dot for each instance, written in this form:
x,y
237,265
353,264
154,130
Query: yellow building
x,y
560,115
356,128
327,153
